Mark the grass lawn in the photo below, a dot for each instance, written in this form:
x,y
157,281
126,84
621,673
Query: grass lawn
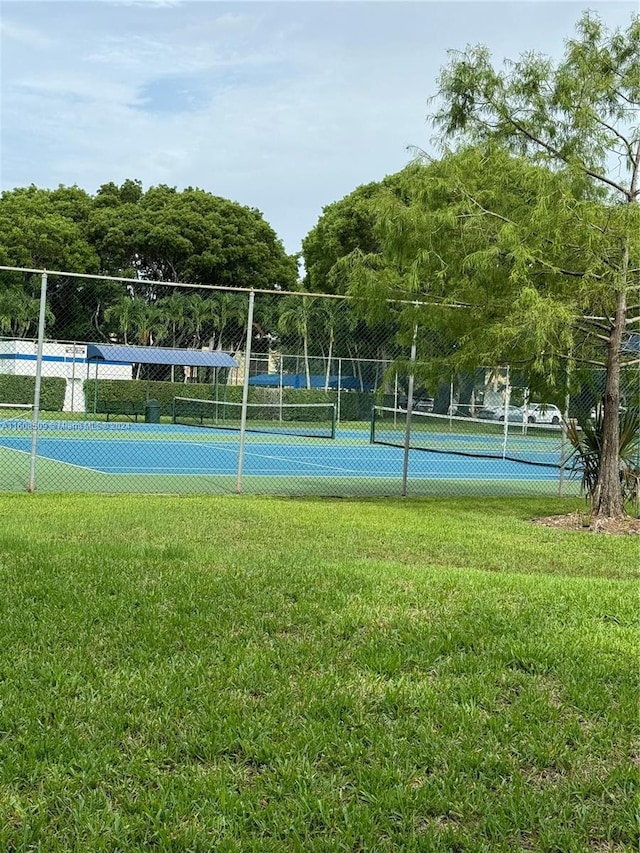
x,y
261,674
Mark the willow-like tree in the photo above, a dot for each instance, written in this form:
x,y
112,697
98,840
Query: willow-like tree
x,y
581,117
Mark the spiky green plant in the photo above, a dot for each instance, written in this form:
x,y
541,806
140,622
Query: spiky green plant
x,y
585,437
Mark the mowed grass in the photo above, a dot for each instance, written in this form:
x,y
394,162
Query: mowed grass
x,y
262,674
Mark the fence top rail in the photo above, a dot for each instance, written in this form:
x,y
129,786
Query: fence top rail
x,y
223,287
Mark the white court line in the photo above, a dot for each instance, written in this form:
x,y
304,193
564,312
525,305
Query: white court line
x,y
51,459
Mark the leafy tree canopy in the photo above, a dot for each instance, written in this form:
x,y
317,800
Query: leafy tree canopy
x,y
581,117
160,234
167,235
531,226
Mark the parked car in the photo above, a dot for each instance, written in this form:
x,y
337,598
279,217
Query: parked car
x,y
496,413
543,413
422,404
621,411
489,413
514,415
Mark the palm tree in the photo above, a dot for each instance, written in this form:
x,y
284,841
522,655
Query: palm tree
x,y
149,324
19,313
294,318
174,310
229,307
331,315
122,313
136,317
200,314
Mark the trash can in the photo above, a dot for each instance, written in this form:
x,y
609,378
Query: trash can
x,y
152,412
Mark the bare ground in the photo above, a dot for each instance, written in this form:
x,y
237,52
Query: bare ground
x,y
582,521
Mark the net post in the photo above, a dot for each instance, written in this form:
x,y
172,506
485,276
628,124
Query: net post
x,y
36,393
245,391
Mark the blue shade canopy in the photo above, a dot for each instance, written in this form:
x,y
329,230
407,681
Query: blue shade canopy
x,y
121,354
632,344
299,380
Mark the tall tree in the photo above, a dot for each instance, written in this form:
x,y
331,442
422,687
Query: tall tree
x,y
48,229
344,226
580,117
167,235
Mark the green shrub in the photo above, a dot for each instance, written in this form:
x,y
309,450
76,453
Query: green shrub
x,y
586,439
141,390
354,405
21,389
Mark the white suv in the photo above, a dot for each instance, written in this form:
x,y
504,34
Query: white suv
x,y
543,413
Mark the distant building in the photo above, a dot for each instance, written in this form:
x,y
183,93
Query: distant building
x,y
65,360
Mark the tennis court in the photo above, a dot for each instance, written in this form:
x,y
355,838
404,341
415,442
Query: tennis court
x,y
98,456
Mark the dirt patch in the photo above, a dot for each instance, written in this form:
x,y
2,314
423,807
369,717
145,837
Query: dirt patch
x,y
580,521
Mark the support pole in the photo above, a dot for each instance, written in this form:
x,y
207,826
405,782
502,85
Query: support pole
x,y
564,441
339,389
395,399
73,379
245,392
451,398
407,430
36,394
95,392
507,402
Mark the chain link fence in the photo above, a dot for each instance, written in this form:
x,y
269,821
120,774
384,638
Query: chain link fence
x,y
111,385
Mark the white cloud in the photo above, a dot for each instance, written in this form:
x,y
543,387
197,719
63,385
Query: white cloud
x,y
16,32
282,106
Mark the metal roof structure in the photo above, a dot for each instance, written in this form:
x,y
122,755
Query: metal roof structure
x,y
123,354
299,380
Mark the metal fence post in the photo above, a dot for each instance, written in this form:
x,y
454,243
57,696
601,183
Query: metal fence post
x,y
407,431
36,393
245,392
507,403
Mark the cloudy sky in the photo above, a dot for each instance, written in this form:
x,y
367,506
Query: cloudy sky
x,y
283,106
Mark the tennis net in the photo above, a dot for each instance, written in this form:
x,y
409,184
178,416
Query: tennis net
x,y
14,415
313,420
535,444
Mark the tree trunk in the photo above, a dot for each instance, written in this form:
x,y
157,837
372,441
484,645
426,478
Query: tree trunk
x,y
607,500
327,375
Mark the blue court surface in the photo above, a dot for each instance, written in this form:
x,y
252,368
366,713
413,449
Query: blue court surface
x,y
158,449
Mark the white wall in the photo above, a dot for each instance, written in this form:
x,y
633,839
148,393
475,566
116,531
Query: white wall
x,y
68,361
